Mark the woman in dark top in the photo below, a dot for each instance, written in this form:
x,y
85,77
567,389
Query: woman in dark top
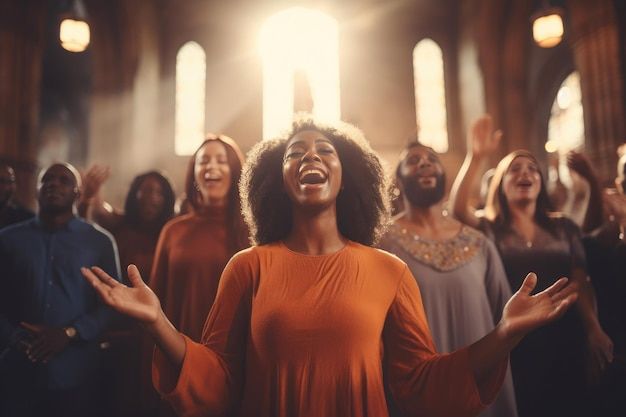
x,y
549,367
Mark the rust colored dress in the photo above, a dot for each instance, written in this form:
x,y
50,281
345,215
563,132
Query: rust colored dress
x,y
311,336
190,257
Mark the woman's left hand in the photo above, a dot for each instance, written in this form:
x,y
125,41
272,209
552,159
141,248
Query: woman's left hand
x,y
525,312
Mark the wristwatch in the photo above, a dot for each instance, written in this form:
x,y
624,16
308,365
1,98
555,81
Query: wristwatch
x,y
70,332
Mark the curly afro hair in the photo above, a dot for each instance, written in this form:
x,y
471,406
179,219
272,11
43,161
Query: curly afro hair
x,y
362,204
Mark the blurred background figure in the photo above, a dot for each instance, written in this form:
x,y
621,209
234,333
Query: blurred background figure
x,y
149,205
10,212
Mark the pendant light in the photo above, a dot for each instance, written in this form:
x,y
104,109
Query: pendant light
x,y
74,30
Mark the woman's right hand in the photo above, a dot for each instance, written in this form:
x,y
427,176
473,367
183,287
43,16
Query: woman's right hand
x,y
482,139
137,301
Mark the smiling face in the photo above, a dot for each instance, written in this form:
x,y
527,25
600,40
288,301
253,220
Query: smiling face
x,y
421,177
522,181
57,190
311,170
212,173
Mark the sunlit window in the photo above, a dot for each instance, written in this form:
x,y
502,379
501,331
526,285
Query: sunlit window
x,y
303,42
430,95
190,98
566,130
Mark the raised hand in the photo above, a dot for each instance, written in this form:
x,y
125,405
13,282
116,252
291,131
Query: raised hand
x,y
93,180
137,301
525,312
580,164
482,139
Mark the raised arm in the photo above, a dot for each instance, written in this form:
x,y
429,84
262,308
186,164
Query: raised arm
x,y
140,303
91,205
580,164
482,141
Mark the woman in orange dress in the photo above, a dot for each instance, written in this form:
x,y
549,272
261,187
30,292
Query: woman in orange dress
x,y
307,322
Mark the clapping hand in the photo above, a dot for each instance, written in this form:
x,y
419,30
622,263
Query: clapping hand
x,y
46,342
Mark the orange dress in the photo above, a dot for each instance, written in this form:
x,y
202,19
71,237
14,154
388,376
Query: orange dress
x,y
311,336
189,260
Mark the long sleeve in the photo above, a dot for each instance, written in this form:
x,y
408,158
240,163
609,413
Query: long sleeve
x,y
422,382
496,283
91,324
210,380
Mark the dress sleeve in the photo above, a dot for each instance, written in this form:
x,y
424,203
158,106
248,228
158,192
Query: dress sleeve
x,y
210,380
422,382
496,282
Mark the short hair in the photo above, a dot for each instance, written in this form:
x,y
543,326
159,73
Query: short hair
x,y
497,207
362,204
236,231
66,165
131,205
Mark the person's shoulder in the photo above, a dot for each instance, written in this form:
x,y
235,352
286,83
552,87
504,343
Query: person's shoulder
x,y
17,229
377,257
93,229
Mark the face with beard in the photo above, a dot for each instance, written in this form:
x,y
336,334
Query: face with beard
x,y
421,177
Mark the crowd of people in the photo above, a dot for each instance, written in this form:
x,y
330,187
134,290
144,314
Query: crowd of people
x,y
290,287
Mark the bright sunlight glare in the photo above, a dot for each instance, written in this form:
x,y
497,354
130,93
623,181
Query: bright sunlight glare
x,y
299,39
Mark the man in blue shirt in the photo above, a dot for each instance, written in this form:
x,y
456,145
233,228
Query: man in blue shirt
x,y
50,317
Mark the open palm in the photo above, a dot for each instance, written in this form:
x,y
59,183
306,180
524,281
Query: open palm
x,y
137,301
525,312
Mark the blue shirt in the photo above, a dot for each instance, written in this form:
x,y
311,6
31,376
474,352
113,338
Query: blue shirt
x,y
41,283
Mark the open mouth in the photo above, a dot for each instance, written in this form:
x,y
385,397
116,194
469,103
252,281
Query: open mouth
x,y
211,178
312,176
524,184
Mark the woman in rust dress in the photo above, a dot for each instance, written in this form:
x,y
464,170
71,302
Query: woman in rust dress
x,y
307,322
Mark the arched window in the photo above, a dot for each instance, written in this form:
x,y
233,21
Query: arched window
x,y
300,49
190,98
566,129
430,95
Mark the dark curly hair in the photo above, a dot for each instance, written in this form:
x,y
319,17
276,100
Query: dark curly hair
x,y
362,204
131,205
237,230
